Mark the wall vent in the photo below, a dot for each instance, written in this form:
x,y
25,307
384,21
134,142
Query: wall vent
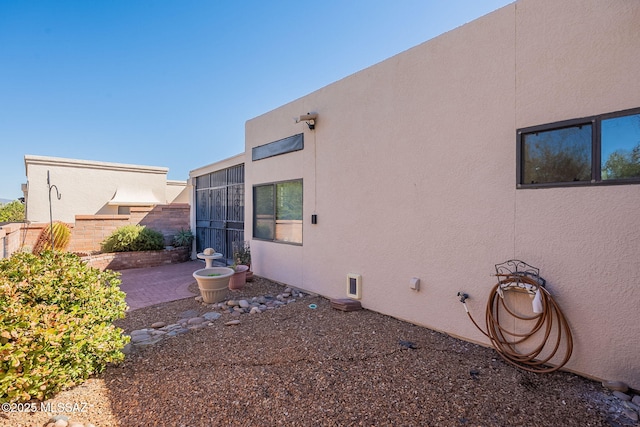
x,y
354,286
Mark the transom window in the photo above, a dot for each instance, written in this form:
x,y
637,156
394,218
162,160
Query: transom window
x,y
277,212
602,149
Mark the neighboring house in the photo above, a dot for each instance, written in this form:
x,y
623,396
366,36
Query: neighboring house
x,y
96,198
94,188
431,165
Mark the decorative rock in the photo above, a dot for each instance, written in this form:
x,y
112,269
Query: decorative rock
x,y
135,339
199,299
148,342
191,320
178,332
188,314
631,405
631,414
636,399
76,424
616,385
61,423
212,315
620,395
59,417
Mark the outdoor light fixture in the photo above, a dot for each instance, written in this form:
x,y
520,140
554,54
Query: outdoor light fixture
x,y
309,118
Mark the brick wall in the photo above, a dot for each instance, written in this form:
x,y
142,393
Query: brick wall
x,y
125,260
167,219
10,239
89,231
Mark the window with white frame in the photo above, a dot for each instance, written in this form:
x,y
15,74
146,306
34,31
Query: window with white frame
x,y
603,149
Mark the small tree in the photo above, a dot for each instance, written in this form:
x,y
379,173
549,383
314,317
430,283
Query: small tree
x,y
623,164
12,212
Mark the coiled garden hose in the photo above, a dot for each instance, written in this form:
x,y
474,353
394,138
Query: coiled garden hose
x,y
505,341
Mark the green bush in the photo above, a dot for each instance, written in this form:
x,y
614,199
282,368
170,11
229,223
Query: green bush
x,y
133,238
56,323
12,211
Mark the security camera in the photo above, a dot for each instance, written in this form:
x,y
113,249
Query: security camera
x,y
308,116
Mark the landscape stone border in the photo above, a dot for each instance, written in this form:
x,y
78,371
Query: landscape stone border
x,y
191,321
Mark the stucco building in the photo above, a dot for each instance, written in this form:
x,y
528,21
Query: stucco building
x,y
499,140
94,188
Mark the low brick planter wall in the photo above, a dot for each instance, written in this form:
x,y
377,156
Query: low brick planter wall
x,y
126,260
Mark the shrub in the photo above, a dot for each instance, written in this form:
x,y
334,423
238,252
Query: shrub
x,y
12,211
183,238
133,238
61,238
56,329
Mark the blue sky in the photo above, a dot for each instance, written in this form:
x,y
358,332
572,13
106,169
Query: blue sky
x,y
171,82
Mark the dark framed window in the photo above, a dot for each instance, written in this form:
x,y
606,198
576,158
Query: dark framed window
x,y
276,148
603,149
277,212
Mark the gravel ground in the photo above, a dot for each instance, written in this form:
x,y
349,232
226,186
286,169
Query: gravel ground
x,y
296,366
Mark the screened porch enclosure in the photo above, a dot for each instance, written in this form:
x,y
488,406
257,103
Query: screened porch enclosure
x,y
220,211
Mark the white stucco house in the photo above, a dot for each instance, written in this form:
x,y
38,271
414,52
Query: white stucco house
x,y
94,188
515,136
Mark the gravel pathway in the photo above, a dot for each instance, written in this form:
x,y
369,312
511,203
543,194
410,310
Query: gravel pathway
x,y
302,366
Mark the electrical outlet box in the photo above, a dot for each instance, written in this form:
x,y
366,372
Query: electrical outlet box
x,y
414,283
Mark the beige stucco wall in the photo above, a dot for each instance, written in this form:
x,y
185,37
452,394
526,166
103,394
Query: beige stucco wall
x,y
87,187
411,171
177,191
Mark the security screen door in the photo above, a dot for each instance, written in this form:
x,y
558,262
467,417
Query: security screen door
x,y
220,210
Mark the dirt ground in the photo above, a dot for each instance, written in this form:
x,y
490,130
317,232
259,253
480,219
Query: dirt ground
x,y
298,366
